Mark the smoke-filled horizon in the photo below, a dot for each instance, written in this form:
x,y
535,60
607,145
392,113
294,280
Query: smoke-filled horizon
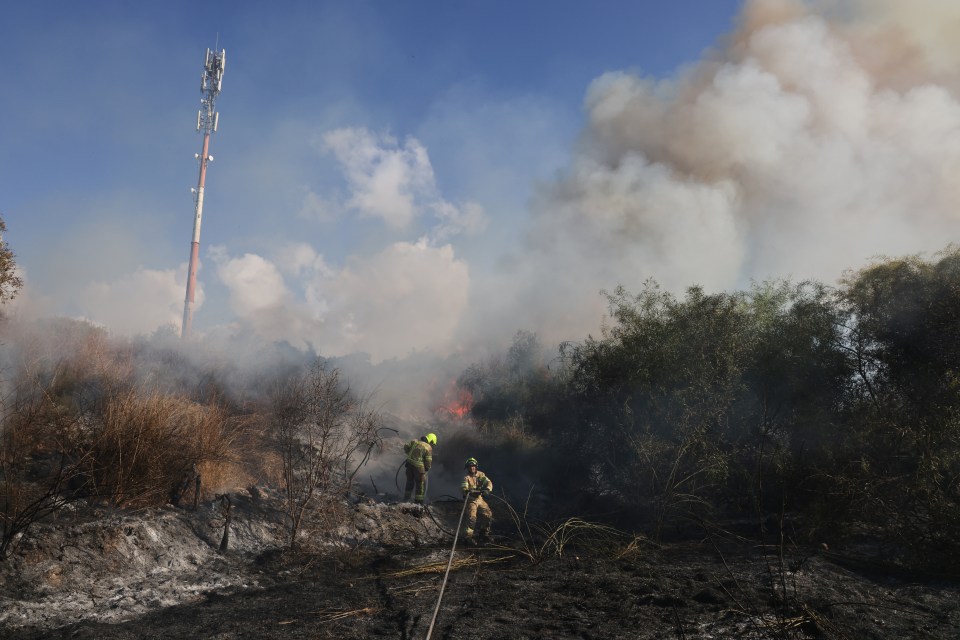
x,y
797,140
805,145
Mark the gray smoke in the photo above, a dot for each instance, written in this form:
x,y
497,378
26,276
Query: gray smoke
x,y
819,136
813,137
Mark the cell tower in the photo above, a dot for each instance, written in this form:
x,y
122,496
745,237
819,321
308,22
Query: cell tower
x,y
207,119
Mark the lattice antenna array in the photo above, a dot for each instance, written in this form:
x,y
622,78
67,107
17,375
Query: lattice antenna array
x,y
208,118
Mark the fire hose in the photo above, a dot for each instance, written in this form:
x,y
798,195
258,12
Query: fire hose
x,y
426,508
453,548
447,573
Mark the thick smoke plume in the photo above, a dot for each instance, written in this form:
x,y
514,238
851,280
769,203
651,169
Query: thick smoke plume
x,y
816,137
812,138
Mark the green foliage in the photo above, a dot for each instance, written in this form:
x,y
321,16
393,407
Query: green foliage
x,y
906,475
839,406
795,389
657,390
516,392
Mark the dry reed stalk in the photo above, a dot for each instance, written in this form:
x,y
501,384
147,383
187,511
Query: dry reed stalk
x,y
335,614
440,567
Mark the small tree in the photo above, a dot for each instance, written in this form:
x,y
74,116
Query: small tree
x,y
511,390
34,468
324,435
906,478
10,282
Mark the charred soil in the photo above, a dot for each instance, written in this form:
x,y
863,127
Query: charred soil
x,y
160,575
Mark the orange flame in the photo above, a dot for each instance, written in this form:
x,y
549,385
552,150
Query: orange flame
x,y
457,402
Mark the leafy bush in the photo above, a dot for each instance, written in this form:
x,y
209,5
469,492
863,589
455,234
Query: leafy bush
x,y
840,407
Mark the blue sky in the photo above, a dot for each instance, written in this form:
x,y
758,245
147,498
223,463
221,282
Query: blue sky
x,y
397,176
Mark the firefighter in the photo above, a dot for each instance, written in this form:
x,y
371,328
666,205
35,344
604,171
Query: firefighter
x,y
419,459
475,486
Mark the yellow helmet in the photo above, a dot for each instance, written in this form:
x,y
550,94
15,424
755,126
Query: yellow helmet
x,y
431,439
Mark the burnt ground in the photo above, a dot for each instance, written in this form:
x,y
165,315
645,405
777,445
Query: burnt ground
x,y
158,575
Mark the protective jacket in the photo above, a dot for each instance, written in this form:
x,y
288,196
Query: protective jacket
x,y
476,505
479,482
419,455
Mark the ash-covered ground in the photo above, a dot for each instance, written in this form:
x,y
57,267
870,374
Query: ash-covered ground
x,y
160,574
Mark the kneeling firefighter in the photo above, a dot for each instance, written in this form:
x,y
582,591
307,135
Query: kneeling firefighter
x,y
475,486
419,460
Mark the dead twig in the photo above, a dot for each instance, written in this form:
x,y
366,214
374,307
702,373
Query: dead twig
x,y
440,567
331,615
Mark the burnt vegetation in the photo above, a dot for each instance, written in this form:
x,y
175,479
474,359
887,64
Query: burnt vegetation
x,y
90,421
831,412
793,415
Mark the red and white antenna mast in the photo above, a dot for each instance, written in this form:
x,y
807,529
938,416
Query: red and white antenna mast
x,y
207,118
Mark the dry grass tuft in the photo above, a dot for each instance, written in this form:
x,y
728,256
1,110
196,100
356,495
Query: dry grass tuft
x,y
331,615
538,541
441,567
142,448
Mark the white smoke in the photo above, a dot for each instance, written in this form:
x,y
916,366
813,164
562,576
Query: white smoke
x,y
394,182
819,135
408,297
255,283
139,302
136,303
816,135
385,177
797,151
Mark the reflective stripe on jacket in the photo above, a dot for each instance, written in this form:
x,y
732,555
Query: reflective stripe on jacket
x,y
419,455
478,482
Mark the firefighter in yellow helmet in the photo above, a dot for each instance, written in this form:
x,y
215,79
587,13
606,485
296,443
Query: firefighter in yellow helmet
x,y
475,486
419,460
